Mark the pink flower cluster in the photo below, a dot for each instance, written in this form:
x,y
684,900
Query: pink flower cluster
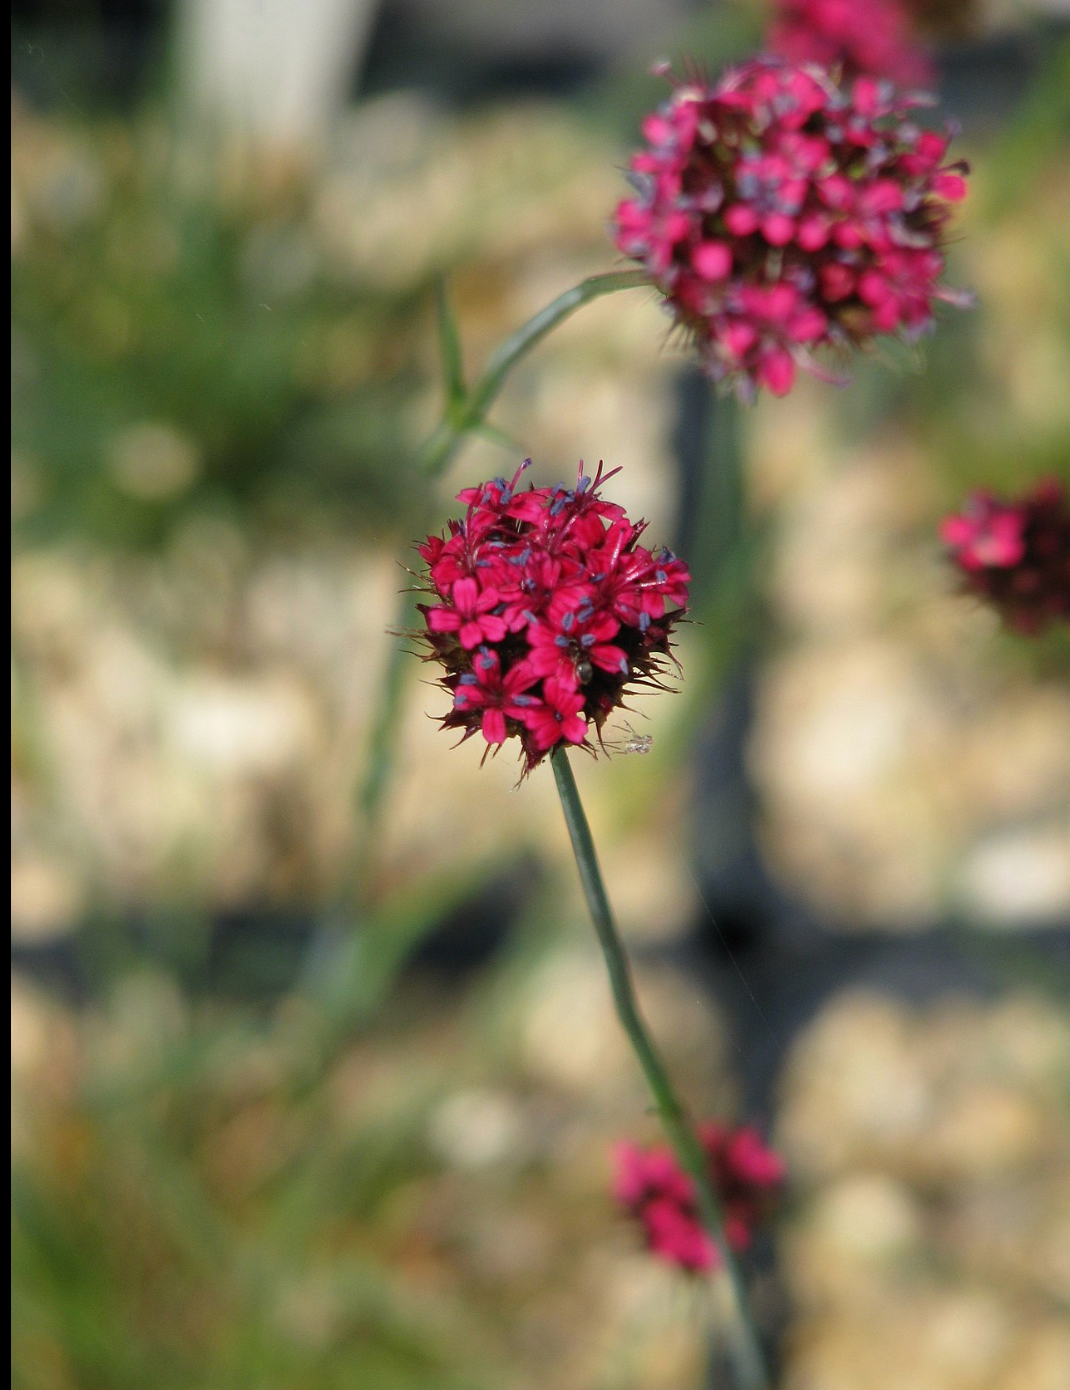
x,y
1016,554
548,608
779,213
651,1184
858,38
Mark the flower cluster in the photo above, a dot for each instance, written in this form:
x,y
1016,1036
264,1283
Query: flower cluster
x,y
1016,554
652,1186
860,38
548,608
780,213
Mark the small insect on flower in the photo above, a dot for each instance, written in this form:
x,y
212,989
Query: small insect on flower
x,y
630,742
547,609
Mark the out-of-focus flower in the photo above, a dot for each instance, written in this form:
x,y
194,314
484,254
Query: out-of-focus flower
x,y
858,38
1015,554
780,213
548,609
652,1186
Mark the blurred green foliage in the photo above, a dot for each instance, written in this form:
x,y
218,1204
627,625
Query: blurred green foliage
x,y
188,1220
178,351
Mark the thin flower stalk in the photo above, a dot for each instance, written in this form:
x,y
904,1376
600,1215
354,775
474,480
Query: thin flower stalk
x,y
748,1362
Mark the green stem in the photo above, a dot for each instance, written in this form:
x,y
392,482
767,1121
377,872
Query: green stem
x,y
383,739
444,442
720,528
747,1360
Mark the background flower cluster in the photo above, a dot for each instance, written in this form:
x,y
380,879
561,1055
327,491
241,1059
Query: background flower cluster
x,y
651,1185
860,37
1015,553
780,213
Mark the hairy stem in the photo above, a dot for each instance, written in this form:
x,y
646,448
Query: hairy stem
x,y
747,1360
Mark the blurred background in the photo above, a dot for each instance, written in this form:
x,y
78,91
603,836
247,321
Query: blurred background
x,y
300,1102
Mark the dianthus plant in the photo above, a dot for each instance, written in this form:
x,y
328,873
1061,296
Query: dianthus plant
x,y
548,609
785,214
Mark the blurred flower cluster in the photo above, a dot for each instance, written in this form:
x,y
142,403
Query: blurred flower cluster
x,y
1016,554
863,38
651,1184
780,213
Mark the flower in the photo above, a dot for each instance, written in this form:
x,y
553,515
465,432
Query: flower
x,y
547,610
1015,554
780,213
651,1184
860,38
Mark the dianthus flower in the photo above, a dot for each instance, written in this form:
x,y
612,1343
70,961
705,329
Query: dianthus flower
x,y
780,213
858,38
547,610
1016,554
651,1184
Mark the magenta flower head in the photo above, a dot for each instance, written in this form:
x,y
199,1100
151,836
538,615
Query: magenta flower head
x,y
651,1184
857,38
1016,554
780,214
547,611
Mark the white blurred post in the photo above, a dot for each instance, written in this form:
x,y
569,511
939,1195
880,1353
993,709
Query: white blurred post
x,y
270,74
